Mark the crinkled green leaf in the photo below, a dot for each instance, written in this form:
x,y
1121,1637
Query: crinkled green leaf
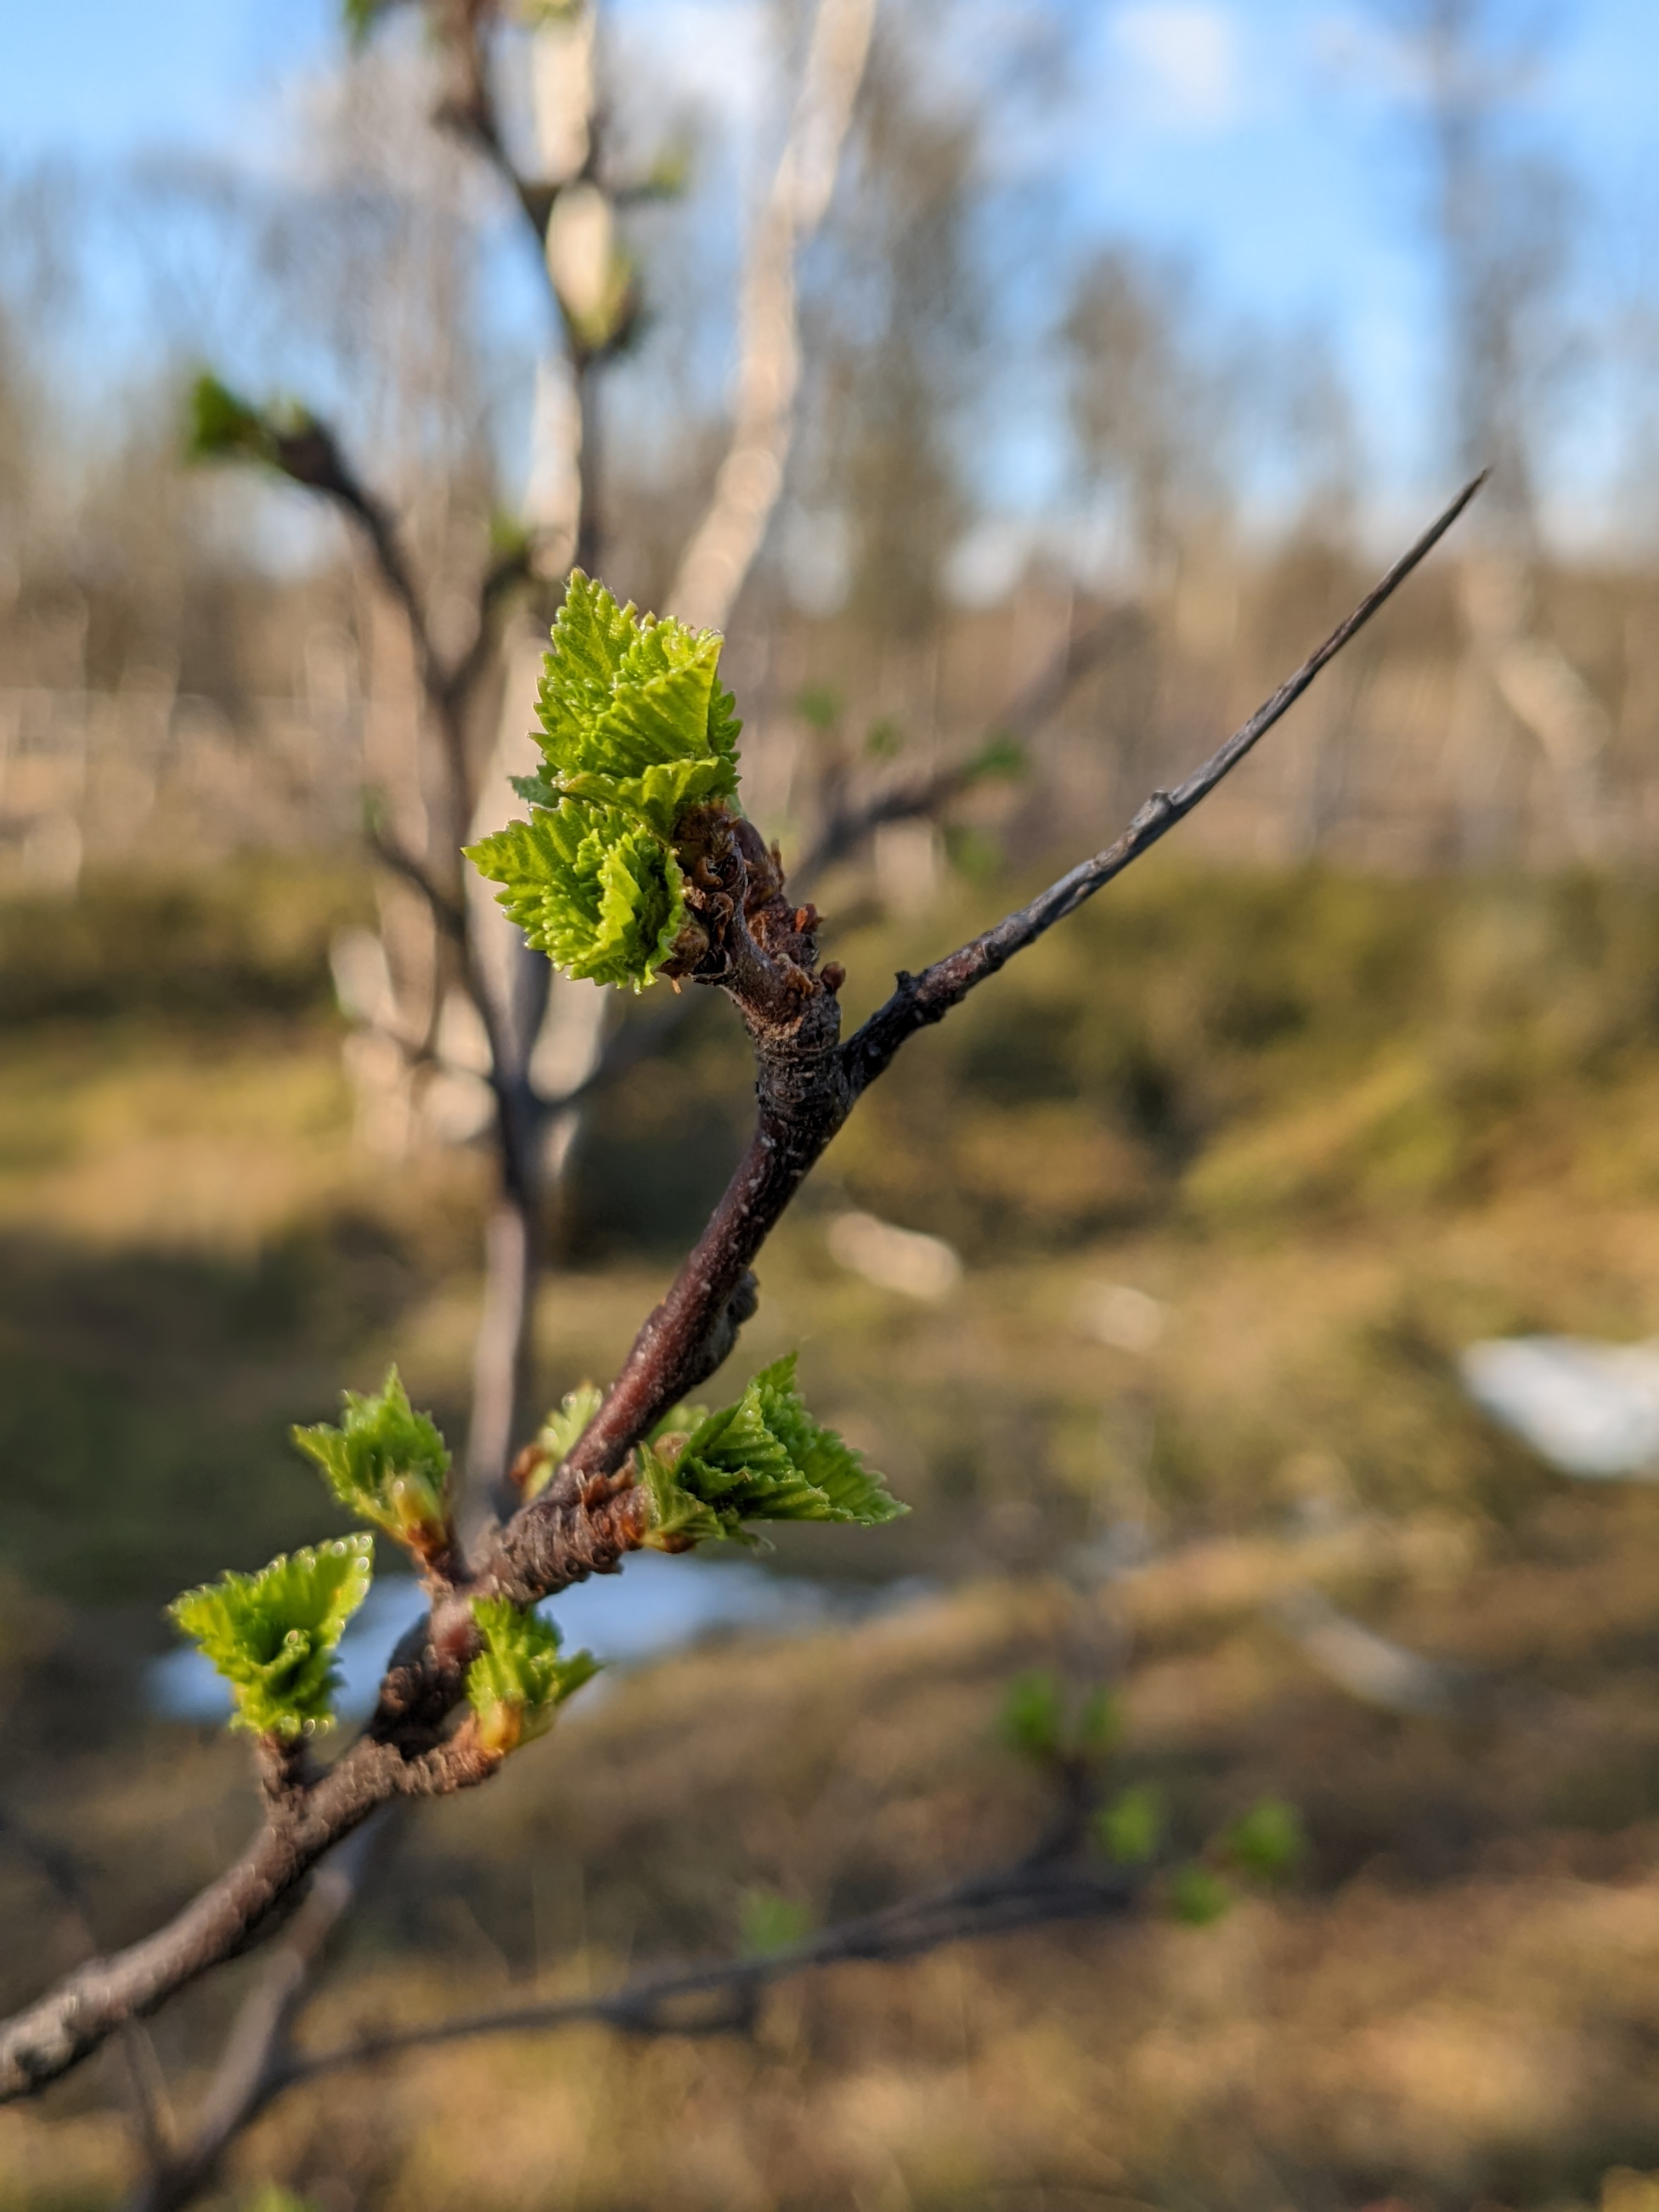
x,y
518,1681
763,1459
560,1431
385,1463
634,731
273,1635
624,694
600,892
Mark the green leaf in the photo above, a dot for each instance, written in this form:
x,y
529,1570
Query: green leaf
x,y
1131,1828
1199,1897
771,1923
1269,1841
600,892
518,1681
763,1459
273,1635
635,731
385,1463
1034,1715
630,711
884,740
221,425
559,1431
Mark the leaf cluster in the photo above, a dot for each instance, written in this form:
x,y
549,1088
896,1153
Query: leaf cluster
x,y
635,731
518,1681
387,1464
273,1635
763,1459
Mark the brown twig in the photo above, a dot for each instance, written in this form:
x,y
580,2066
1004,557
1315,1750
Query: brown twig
x,y
845,826
256,2054
1028,1894
761,952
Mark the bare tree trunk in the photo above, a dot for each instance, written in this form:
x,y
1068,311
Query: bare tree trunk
x,y
722,549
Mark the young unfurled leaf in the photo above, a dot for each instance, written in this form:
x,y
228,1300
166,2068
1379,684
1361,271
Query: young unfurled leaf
x,y
1267,1842
763,1459
771,1922
635,732
387,1464
596,891
1034,1715
1131,1827
518,1681
535,1467
273,1635
1198,1896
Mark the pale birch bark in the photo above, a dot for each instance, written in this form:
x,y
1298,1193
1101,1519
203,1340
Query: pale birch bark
x,y
716,563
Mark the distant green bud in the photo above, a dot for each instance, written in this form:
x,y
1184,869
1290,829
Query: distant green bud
x,y
818,706
273,1635
771,1922
518,1681
1131,1828
1268,1842
1198,1897
1099,1724
1034,1715
1001,756
387,1464
221,425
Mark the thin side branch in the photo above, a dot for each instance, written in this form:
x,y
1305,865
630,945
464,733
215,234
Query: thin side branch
x,y
718,1998
921,999
257,2052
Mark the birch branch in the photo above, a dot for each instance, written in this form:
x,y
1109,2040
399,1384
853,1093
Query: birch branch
x,y
591,1514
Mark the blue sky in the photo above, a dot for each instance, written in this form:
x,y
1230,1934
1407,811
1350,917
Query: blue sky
x,y
1262,138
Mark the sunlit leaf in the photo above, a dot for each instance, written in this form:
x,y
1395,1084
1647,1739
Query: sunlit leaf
x,y
518,1681
273,1635
385,1463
